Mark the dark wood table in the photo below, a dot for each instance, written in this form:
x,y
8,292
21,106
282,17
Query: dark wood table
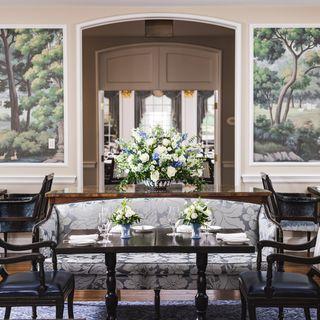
x,y
155,242
208,191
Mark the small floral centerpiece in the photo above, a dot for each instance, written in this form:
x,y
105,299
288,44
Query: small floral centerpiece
x,y
159,156
125,216
196,214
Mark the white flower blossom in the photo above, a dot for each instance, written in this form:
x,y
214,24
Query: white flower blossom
x,y
171,171
194,215
155,176
166,142
144,157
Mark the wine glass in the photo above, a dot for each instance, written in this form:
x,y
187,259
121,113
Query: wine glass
x,y
104,226
174,221
207,225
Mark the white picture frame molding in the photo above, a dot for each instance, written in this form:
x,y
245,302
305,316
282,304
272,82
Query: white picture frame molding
x,y
65,163
252,163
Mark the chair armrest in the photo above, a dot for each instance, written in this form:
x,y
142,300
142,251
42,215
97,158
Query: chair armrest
x,y
286,246
30,246
282,246
33,257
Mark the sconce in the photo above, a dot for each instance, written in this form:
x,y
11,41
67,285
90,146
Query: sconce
x,y
188,93
126,93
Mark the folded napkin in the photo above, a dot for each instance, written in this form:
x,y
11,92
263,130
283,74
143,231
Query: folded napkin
x,y
233,237
83,237
184,228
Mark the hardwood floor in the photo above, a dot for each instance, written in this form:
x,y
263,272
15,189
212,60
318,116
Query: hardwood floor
x,y
148,295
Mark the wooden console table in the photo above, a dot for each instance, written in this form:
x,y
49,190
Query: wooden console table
x,y
258,196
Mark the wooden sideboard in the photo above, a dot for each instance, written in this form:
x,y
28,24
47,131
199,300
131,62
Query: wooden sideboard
x,y
258,196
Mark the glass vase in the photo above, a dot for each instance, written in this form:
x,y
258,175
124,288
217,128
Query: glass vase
x,y
196,231
125,231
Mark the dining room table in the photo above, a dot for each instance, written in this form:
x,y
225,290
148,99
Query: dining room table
x,y
157,240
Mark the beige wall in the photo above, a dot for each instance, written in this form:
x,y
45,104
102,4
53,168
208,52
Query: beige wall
x,y
71,16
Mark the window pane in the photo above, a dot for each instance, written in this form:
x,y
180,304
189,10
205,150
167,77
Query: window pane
x,y
206,116
158,108
111,121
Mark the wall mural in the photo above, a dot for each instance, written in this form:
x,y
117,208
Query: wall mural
x,y
286,94
31,95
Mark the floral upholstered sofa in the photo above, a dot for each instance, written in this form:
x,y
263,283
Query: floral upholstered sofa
x,y
149,271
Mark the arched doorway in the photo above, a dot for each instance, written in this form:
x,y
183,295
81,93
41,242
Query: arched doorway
x,y
164,16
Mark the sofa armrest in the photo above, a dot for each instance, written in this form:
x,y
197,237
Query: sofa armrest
x,y
267,231
48,230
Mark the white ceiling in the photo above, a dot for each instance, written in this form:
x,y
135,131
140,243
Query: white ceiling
x,y
155,2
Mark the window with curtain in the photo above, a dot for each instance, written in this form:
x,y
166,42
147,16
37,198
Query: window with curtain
x,y
157,107
206,116
111,121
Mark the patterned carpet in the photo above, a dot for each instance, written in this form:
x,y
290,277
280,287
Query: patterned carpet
x,y
173,310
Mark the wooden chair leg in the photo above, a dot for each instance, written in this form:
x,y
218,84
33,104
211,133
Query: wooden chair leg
x,y
308,239
280,316
34,312
70,305
157,303
5,238
243,307
307,313
252,311
7,313
59,310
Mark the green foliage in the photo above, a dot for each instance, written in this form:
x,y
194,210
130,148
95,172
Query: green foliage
x,y
31,143
269,147
266,86
6,140
303,141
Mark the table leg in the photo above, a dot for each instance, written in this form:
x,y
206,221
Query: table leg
x,y
111,297
201,298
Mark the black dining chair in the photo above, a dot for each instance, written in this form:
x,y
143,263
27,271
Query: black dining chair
x,y
277,288
208,171
37,287
19,212
294,211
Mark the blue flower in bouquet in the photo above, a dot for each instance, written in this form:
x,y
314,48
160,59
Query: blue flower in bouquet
x,y
143,134
177,164
156,156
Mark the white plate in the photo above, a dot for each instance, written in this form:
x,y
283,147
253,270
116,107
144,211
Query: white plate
x,y
82,242
142,229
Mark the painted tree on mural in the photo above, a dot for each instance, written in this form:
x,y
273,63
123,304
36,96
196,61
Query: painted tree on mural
x,y
31,86
286,94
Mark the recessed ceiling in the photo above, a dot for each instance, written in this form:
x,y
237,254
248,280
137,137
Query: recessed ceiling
x,y
160,3
137,29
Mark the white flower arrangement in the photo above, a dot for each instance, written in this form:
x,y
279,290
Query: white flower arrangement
x,y
125,214
160,155
197,212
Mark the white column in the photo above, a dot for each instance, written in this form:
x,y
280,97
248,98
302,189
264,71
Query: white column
x,y
126,104
189,114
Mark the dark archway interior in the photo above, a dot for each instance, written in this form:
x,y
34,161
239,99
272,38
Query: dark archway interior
x,y
133,32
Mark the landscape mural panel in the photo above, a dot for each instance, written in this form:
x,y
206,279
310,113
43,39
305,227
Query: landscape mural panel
x,y
286,94
31,95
